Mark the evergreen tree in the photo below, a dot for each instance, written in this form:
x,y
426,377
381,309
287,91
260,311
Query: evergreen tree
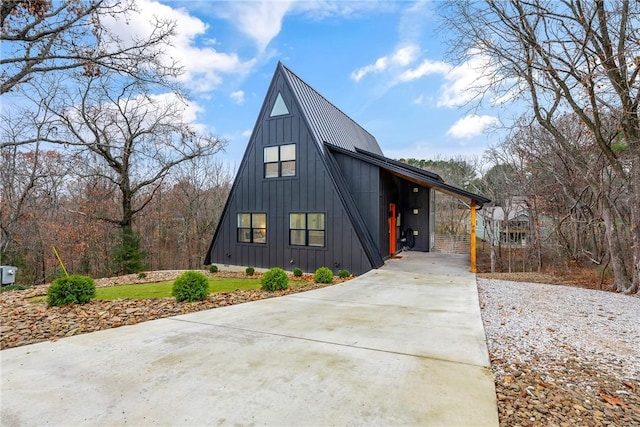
x,y
128,257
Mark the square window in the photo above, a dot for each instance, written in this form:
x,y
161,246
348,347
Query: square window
x,y
316,238
271,170
244,220
260,235
271,154
259,220
244,235
296,237
280,161
252,228
297,221
316,221
288,152
289,168
306,229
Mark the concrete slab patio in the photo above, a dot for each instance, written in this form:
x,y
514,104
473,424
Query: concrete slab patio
x,y
402,345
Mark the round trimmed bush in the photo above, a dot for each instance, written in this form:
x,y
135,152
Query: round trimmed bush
x,y
190,286
275,279
213,268
343,274
74,289
250,271
297,272
323,275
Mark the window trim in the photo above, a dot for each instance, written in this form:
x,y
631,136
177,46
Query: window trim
x,y
279,162
307,230
251,228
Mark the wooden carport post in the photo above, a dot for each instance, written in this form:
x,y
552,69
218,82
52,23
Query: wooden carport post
x,y
472,242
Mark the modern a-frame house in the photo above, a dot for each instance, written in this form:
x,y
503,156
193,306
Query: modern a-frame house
x,y
314,189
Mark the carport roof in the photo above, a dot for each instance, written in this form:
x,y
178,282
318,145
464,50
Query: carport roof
x,y
412,174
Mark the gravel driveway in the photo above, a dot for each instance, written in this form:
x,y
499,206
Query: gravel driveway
x,y
562,355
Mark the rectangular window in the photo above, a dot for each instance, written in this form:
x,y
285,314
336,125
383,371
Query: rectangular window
x,y
280,161
252,228
306,229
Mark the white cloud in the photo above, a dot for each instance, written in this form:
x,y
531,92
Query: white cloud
x,y
405,55
247,133
466,82
470,126
402,57
376,67
237,97
259,20
425,68
204,66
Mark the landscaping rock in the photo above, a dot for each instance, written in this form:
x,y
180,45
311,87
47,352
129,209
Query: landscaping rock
x,y
23,322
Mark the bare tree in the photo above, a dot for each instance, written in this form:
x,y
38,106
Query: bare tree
x,y
127,137
566,55
26,174
109,99
41,36
180,221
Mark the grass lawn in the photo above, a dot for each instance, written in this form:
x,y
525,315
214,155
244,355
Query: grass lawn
x,y
163,289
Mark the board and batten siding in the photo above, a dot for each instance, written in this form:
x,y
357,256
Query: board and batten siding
x,y
417,201
363,180
311,190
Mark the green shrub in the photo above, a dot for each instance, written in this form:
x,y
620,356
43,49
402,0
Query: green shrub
x,y
275,279
190,286
323,275
74,289
297,272
250,271
343,274
142,275
213,268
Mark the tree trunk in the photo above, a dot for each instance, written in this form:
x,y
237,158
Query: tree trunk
x,y
635,226
621,281
493,256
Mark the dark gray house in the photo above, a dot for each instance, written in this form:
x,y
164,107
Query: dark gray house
x,y
314,189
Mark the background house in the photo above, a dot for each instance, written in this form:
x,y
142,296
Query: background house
x,y
507,226
314,189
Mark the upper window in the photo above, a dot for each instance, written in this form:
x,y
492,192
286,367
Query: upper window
x,y
306,229
279,107
252,227
280,160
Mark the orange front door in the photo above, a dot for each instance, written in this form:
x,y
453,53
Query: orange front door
x,y
392,228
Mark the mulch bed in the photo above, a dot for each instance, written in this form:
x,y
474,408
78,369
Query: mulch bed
x,y
24,322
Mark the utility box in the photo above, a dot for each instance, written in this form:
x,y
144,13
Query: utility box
x,y
7,274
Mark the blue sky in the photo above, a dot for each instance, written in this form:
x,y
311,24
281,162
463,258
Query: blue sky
x,y
382,63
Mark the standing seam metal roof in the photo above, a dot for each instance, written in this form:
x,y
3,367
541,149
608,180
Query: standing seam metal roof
x,y
328,123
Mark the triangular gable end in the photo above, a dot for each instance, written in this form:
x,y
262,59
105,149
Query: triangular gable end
x,y
279,107
250,194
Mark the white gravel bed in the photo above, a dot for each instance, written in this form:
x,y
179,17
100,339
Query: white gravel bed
x,y
561,322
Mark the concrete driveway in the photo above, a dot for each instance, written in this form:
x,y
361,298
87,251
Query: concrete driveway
x,y
402,345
